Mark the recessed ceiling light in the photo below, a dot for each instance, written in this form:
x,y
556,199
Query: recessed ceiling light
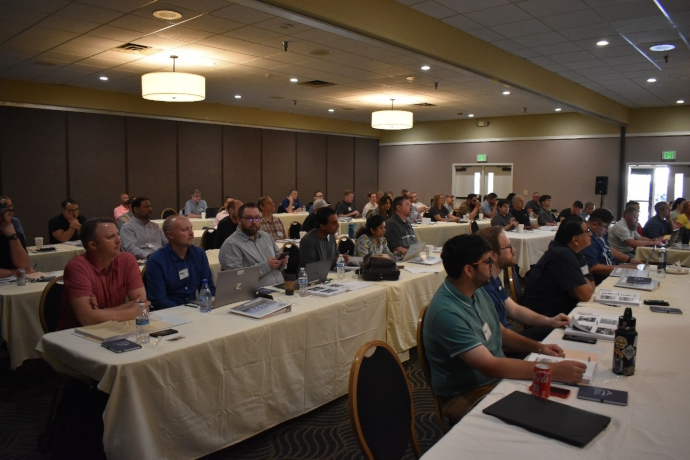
x,y
237,96
286,26
558,109
331,110
104,78
664,47
505,93
680,101
294,80
651,80
425,67
602,43
470,115
167,15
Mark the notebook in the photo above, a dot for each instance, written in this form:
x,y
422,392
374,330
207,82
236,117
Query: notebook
x,y
548,418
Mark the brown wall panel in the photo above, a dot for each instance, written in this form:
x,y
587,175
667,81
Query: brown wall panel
x,y
200,151
96,146
311,165
242,163
152,161
366,168
34,169
340,173
277,163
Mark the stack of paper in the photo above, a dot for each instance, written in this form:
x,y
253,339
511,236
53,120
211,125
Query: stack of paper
x,y
593,326
636,282
611,297
591,359
261,308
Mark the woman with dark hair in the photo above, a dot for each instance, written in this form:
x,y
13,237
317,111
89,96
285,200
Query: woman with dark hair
x,y
383,209
676,208
370,239
438,213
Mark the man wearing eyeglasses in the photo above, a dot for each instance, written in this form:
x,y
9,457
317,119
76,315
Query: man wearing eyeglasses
x,y
66,226
195,205
13,253
537,326
561,278
464,338
249,246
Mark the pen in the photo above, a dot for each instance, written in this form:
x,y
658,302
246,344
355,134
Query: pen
x,y
176,338
35,265
610,305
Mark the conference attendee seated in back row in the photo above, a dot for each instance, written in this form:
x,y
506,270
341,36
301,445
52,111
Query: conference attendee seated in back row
x,y
269,222
195,205
371,239
520,213
438,212
140,236
660,224
13,253
345,208
66,226
537,326
222,212
465,340
127,216
470,206
489,206
623,236
503,218
309,223
561,278
383,208
371,204
124,206
573,211
320,243
318,195
249,246
228,224
103,284
533,207
292,203
399,232
175,273
601,258
545,217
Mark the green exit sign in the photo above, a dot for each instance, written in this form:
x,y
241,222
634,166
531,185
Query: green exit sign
x,y
482,158
668,155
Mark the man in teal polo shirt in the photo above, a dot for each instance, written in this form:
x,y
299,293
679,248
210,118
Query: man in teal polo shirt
x,y
464,338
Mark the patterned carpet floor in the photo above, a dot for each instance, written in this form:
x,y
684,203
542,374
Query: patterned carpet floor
x,y
325,433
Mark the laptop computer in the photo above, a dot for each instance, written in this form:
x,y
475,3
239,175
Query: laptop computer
x,y
317,272
646,262
673,239
413,251
236,285
551,419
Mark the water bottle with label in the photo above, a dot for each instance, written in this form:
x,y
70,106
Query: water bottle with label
x,y
303,282
142,321
661,268
340,266
205,298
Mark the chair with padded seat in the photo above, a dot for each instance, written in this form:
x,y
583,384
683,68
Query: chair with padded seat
x,y
50,304
292,250
474,226
208,239
281,209
294,230
511,279
167,212
424,364
346,245
380,403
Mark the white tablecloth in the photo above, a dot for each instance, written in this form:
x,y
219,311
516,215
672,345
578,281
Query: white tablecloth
x,y
53,260
654,424
529,247
440,232
288,219
672,256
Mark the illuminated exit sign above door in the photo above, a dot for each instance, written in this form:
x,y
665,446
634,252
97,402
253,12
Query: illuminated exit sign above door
x,y
482,158
669,155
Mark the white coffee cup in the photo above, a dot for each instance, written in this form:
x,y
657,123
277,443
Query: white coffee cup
x,y
466,217
39,242
521,228
429,248
426,220
203,214
302,235
481,216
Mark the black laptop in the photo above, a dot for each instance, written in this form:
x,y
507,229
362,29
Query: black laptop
x,y
548,418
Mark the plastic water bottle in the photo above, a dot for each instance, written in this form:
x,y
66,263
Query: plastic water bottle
x,y
340,265
661,268
303,282
142,322
205,298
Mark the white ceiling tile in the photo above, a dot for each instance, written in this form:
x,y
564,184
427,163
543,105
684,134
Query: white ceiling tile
x,y
507,45
651,36
212,24
253,34
499,15
521,28
158,42
615,41
184,34
138,24
462,23
634,67
205,6
629,10
148,10
68,24
525,53
87,46
572,57
9,29
557,48
223,42
125,6
595,31
466,6
40,38
20,15
548,38
573,76
89,13
60,57
45,6
115,33
598,71
487,35
282,26
588,64
614,51
317,36
621,60
242,14
541,8
641,24
433,9
572,19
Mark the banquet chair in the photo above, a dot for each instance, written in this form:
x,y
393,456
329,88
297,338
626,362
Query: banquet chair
x,y
292,250
281,209
474,226
380,403
208,239
49,306
167,212
294,230
424,364
346,245
511,278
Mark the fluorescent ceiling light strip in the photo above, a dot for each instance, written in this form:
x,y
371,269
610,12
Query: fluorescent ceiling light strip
x,y
639,50
661,7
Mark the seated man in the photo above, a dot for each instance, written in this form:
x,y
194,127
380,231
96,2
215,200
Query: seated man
x,y
228,224
464,338
520,213
13,253
292,203
195,205
503,218
489,206
533,207
447,205
415,202
249,246
345,208
574,211
561,278
371,204
123,208
320,243
636,205
601,258
140,236
6,202
660,224
546,217
270,223
587,210
399,232
309,223
66,226
176,273
623,236
127,216
537,326
318,195
222,212
471,206
103,284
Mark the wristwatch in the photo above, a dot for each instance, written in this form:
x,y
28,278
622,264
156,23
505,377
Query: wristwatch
x,y
14,237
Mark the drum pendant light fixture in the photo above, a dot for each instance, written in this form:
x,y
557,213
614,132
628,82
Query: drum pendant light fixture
x,y
391,119
173,86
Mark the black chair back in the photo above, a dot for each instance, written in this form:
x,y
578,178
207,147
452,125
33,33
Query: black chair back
x,y
292,250
294,230
168,212
281,209
346,246
208,239
50,304
380,403
515,285
474,226
211,212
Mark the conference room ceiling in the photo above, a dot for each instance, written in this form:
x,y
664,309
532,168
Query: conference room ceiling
x,y
239,49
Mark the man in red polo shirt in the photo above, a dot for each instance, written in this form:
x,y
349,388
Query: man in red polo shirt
x,y
99,282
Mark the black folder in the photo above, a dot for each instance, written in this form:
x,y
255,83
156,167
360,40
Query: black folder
x,y
555,420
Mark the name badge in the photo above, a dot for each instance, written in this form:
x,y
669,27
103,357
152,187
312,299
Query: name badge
x,y
585,270
184,273
487,331
280,234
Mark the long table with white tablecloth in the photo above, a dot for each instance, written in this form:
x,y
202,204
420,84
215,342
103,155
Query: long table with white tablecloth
x,y
530,246
50,261
681,256
435,234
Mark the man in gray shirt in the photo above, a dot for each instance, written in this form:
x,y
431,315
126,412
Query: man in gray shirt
x,y
139,235
320,243
399,232
195,205
249,246
545,217
503,218
624,237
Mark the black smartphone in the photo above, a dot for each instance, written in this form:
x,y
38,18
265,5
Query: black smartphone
x,y
163,333
661,303
559,392
282,255
577,338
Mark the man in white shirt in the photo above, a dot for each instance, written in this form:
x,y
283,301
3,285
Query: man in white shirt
x,y
139,235
371,204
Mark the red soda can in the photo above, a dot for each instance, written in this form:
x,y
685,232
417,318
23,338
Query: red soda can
x,y
541,382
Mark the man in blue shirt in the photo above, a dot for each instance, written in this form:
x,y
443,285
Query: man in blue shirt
x,y
292,203
659,225
195,205
175,273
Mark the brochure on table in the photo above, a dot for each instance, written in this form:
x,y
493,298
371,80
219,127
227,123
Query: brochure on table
x,y
637,282
590,358
618,298
593,326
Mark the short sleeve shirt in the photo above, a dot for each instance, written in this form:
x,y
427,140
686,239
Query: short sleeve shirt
x,y
545,217
295,204
656,227
535,207
60,223
434,211
521,216
5,256
486,208
399,233
597,253
344,208
620,233
498,296
501,221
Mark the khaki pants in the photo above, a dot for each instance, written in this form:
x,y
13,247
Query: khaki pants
x,y
455,408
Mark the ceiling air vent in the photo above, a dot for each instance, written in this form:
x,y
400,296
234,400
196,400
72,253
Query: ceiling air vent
x,y
316,84
424,104
133,48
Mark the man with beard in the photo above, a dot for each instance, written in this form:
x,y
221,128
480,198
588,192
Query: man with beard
x,y
139,235
249,246
624,237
